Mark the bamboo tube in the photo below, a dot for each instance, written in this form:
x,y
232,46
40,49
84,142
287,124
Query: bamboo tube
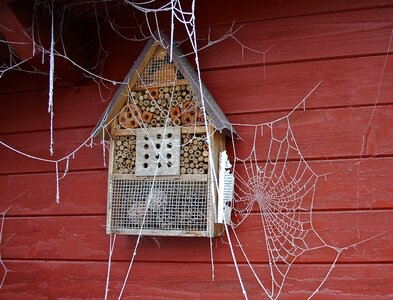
x,y
195,171
192,165
195,161
201,171
164,113
183,170
182,87
206,159
189,171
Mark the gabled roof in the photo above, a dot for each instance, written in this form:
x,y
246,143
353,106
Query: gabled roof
x,y
216,115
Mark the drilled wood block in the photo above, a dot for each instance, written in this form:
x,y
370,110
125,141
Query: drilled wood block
x,y
158,151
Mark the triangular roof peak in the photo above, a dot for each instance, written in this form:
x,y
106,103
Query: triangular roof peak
x,y
138,77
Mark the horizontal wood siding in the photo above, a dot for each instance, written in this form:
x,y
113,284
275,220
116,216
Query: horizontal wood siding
x,y
59,251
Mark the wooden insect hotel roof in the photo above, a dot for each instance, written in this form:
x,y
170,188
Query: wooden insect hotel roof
x,y
185,70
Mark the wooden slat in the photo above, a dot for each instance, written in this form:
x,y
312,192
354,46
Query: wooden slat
x,y
227,12
34,194
37,144
81,280
345,187
73,106
84,238
311,37
319,134
347,82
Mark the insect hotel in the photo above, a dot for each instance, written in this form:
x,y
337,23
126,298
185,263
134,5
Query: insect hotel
x,y
165,150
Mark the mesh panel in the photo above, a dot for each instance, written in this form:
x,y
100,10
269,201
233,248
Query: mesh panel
x,y
175,205
159,71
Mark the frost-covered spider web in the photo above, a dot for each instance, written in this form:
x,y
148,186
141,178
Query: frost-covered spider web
x,y
274,181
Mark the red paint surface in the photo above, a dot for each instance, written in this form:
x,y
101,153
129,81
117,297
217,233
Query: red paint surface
x,y
60,250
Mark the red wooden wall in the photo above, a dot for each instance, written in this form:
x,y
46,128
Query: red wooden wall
x,y
59,251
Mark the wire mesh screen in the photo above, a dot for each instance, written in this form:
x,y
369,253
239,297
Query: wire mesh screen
x,y
160,71
164,207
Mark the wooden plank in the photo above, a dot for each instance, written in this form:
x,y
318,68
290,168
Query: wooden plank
x,y
34,194
73,106
37,144
226,12
313,37
304,38
81,280
345,187
347,82
319,134
84,238
10,81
